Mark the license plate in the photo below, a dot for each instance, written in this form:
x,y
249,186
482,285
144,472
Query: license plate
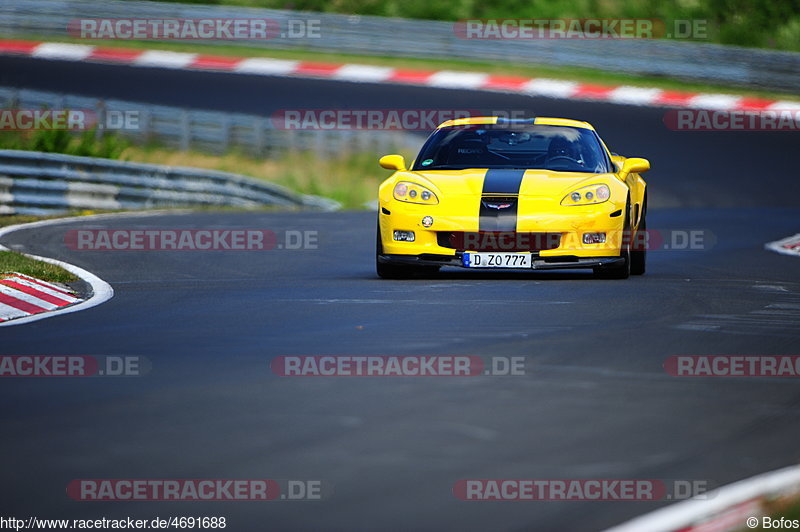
x,y
497,260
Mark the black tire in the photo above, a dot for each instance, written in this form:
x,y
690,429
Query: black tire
x,y
639,248
398,271
619,271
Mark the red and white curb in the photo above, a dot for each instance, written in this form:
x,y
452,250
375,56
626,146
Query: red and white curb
x,y
24,299
786,246
21,296
552,88
735,507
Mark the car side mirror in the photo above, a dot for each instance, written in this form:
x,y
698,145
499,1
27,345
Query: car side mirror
x,y
634,165
393,162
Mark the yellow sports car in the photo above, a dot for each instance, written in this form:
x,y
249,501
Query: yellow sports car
x,y
489,192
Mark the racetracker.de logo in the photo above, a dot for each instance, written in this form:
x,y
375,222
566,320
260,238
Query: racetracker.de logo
x,y
396,366
577,489
367,119
197,490
562,28
175,29
732,366
172,490
73,366
67,120
649,239
189,239
707,120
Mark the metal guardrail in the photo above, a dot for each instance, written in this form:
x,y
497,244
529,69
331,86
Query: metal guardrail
x,y
434,39
215,132
40,183
46,183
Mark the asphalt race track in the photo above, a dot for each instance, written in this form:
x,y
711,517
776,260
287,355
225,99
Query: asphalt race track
x,y
595,402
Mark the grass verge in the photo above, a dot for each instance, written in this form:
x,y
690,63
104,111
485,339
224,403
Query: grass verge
x,y
350,179
85,144
787,508
11,261
16,219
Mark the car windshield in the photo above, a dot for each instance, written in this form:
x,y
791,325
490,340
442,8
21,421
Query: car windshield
x,y
528,146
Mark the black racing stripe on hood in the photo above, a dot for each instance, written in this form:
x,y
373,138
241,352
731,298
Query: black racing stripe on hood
x,y
500,181
500,214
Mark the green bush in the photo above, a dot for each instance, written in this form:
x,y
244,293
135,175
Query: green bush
x,y
87,143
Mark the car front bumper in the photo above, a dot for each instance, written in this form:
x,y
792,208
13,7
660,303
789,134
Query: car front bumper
x,y
538,263
567,224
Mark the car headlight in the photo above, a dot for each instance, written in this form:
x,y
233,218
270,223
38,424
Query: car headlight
x,y
414,193
587,195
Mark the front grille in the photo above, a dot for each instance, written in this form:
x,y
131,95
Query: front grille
x,y
499,201
498,241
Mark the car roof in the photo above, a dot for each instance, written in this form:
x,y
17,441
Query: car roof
x,y
545,121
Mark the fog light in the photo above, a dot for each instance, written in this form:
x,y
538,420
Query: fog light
x,y
594,238
404,236
427,221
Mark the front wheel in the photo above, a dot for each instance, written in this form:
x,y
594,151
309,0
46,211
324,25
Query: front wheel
x,y
639,251
617,271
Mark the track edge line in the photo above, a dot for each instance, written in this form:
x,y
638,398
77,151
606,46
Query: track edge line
x,y
101,290
697,514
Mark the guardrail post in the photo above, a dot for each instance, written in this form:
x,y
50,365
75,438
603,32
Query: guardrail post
x,y
144,125
225,131
258,135
186,132
101,119
13,102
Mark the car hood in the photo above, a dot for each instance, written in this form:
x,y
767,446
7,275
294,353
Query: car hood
x,y
476,182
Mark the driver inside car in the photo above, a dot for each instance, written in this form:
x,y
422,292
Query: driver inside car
x,y
560,147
